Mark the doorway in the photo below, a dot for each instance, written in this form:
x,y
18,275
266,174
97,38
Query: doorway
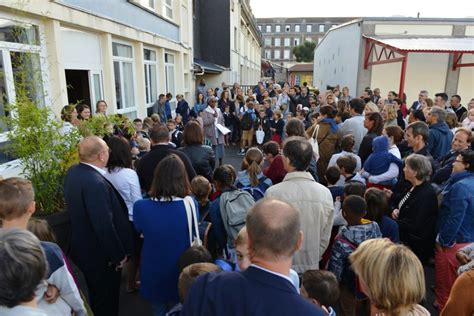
x,y
78,90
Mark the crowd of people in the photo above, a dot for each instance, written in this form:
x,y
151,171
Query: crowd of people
x,y
338,204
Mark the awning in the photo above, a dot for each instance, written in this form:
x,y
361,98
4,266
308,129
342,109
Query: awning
x,y
207,67
428,45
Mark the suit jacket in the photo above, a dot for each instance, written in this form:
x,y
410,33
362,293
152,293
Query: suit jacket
x,y
100,230
251,292
147,164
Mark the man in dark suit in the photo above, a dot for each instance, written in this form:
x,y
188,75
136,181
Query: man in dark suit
x,y
101,235
161,147
265,287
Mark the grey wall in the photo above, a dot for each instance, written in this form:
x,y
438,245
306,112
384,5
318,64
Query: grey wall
x,y
213,31
127,13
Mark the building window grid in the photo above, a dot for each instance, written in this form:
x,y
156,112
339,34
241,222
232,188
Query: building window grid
x,y
277,28
124,74
151,78
276,54
170,77
277,41
268,29
297,28
168,9
287,28
287,41
309,28
321,28
286,54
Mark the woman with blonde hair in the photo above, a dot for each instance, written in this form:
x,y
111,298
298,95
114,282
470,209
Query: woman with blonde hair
x,y
389,115
375,263
251,177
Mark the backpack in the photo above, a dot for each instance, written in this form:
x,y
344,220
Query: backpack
x,y
247,123
257,192
233,206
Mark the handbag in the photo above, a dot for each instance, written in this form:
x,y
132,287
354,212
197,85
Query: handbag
x,y
260,135
314,142
192,220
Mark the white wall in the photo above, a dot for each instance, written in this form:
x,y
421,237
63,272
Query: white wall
x,y
336,58
466,80
424,71
413,29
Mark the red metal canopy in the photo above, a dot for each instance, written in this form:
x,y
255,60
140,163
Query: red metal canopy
x,y
380,51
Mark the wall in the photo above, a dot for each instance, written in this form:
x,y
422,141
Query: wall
x,y
413,29
336,58
466,80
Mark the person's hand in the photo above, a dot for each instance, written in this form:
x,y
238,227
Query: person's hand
x,y
462,257
388,193
395,213
51,294
120,265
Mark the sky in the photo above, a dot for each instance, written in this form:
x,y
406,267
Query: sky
x,y
363,8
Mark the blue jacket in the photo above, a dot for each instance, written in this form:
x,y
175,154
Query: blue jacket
x,y
253,292
380,159
456,216
182,108
439,140
168,110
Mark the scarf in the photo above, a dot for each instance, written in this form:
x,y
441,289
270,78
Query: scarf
x,y
331,122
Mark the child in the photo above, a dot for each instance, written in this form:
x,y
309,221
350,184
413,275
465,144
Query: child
x,y
332,176
350,236
201,188
468,122
144,146
278,127
377,210
247,123
251,178
268,109
179,123
17,205
320,288
379,160
227,123
347,165
264,124
175,135
243,259
275,170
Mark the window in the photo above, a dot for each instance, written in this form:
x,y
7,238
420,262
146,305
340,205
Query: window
x,y
124,77
168,8
268,54
277,41
170,78
277,28
268,29
147,3
296,42
286,54
260,28
276,54
287,28
287,41
321,28
309,28
297,28
268,41
151,84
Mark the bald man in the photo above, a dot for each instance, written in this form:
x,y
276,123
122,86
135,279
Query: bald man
x,y
101,236
274,235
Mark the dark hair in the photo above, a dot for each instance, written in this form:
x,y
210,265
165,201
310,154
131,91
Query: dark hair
x,y
190,273
80,108
456,96
294,127
354,188
194,254
159,133
170,179
418,114
41,229
322,286
137,120
328,111
358,105
377,204
396,132
120,153
223,176
24,266
442,95
354,204
419,128
203,96
299,151
394,94
169,96
97,105
468,158
347,162
271,147
161,96
378,122
192,134
348,142
398,100
332,175
251,162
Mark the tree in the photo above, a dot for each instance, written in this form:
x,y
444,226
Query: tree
x,y
304,52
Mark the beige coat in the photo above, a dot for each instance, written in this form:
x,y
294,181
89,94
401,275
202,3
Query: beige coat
x,y
314,201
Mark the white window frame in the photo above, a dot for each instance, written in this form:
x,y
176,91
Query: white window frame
x,y
260,28
268,41
94,96
268,54
170,66
297,28
121,60
277,41
286,54
277,28
287,28
275,53
268,28
168,6
147,64
296,42
309,28
287,42
321,28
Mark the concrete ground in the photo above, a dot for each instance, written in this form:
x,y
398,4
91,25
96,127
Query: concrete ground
x,y
131,304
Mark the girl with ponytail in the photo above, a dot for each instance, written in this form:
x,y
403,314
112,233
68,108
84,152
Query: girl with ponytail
x,y
251,177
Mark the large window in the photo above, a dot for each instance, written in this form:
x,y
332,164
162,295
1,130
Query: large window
x,y
277,41
168,9
151,84
170,77
296,41
268,54
277,28
286,54
297,28
309,28
268,29
124,78
287,41
268,41
276,54
287,28
321,28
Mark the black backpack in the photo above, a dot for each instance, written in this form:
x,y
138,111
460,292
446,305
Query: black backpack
x,y
247,122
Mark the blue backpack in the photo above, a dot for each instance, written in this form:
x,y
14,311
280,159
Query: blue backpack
x,y
257,192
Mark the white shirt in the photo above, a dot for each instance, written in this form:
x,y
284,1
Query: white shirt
x,y
21,311
125,181
100,170
274,273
